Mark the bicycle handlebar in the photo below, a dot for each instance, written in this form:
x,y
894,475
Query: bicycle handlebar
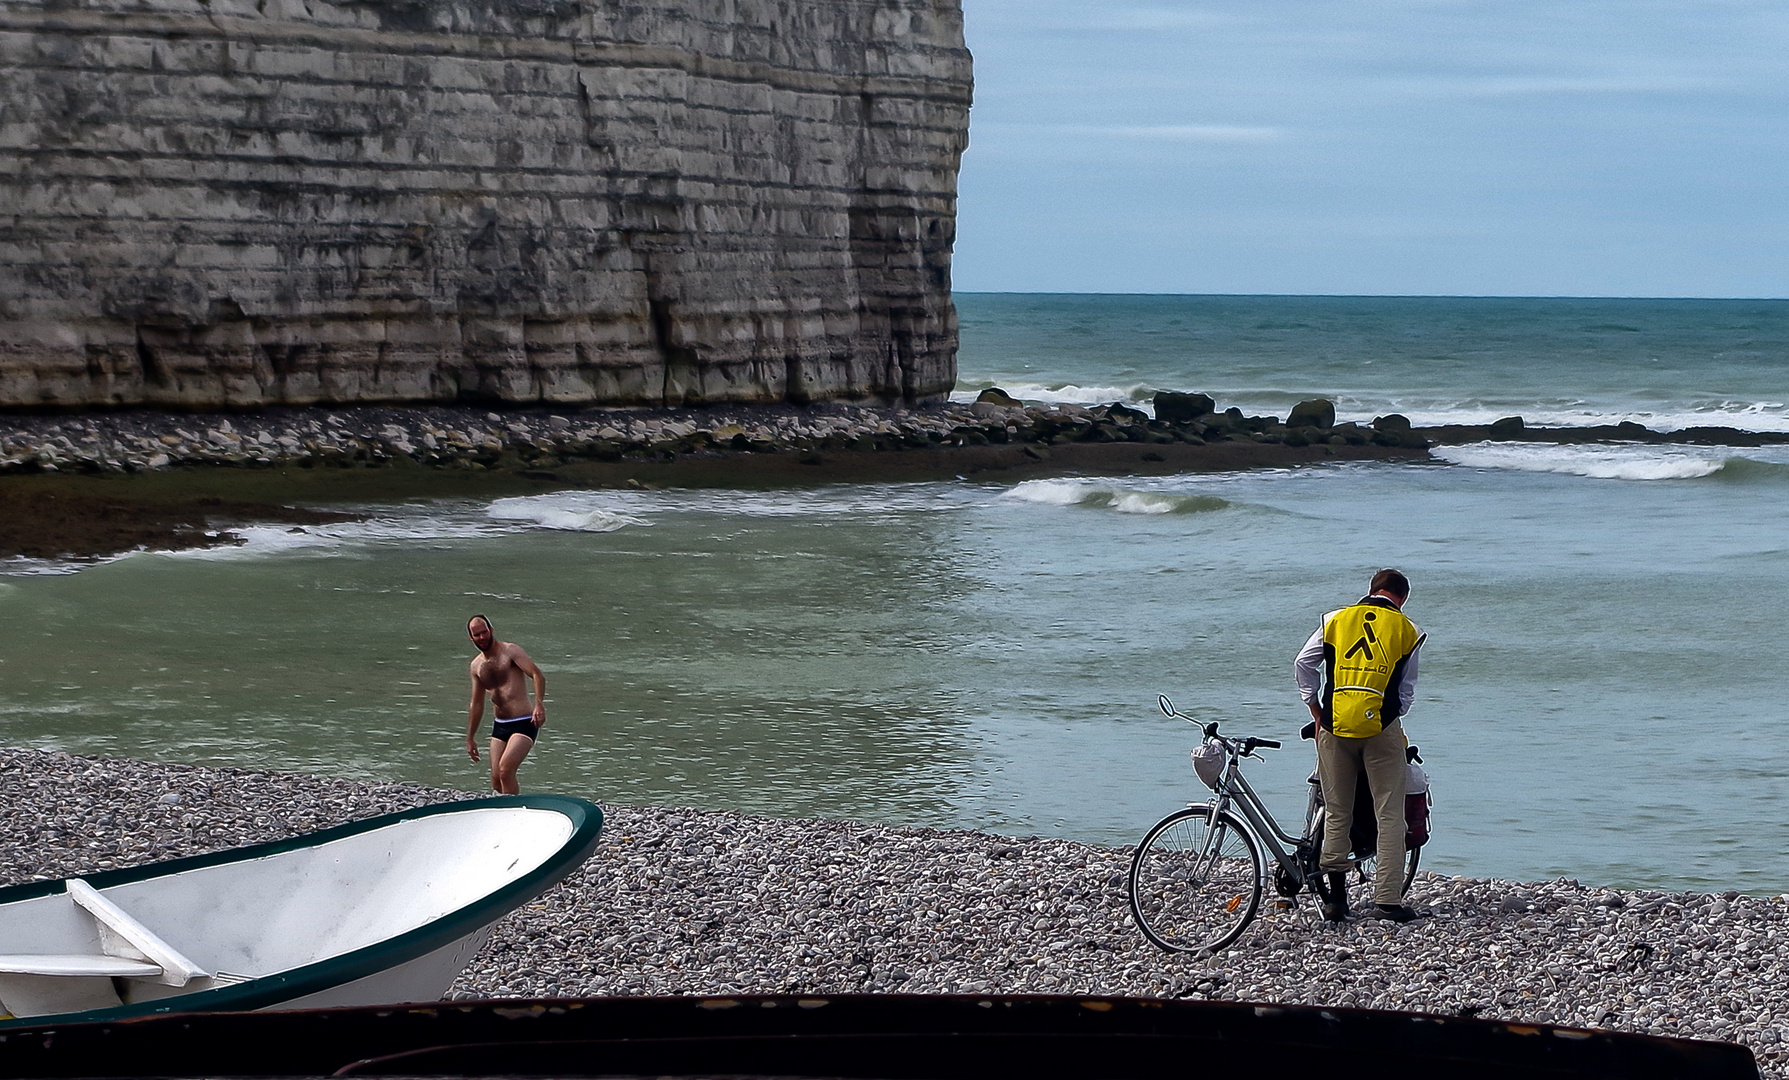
x,y
1249,745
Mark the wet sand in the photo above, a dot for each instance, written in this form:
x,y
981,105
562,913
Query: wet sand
x,y
94,515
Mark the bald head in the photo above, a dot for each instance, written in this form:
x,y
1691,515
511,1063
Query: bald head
x,y
478,628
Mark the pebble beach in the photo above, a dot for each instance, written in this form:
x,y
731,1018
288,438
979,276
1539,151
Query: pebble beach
x,y
679,901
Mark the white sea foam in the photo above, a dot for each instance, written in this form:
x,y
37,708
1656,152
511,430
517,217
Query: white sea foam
x,y
385,526
847,500
1625,461
1137,397
18,566
1095,495
1745,416
569,511
1362,407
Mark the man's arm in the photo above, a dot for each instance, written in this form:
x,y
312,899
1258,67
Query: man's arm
x,y
1308,670
1407,688
529,668
474,713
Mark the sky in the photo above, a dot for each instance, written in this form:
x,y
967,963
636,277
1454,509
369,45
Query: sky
x,y
1380,147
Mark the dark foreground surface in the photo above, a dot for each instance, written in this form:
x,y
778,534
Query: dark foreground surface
x,y
853,1036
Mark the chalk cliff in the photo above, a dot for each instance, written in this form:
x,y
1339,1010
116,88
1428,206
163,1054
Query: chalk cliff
x,y
210,203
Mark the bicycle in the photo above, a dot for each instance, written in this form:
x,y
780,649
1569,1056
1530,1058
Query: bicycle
x,y
1197,878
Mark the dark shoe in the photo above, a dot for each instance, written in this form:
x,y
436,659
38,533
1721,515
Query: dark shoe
x,y
1397,913
1335,906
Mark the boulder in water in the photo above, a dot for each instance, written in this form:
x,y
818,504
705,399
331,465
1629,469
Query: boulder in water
x,y
1317,413
1391,422
1510,427
993,395
1177,408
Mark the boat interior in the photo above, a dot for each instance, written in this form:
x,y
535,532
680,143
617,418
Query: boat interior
x,y
230,922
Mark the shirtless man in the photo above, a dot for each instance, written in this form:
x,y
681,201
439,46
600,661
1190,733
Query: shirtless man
x,y
497,671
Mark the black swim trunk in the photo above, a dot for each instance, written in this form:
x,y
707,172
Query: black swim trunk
x,y
522,725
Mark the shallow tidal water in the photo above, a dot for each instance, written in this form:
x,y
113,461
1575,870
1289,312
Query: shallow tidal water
x,y
1597,699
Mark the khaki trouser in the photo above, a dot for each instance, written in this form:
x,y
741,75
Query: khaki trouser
x,y
1339,763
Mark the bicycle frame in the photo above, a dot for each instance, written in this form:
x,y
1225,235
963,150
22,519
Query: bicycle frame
x,y
1205,906
1236,790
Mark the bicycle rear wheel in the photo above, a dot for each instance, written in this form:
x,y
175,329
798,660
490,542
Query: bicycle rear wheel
x,y
1370,866
1365,868
1195,885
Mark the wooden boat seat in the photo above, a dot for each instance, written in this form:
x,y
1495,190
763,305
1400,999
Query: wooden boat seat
x,y
122,937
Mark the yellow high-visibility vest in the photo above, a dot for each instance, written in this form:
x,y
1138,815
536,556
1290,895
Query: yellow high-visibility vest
x,y
1365,648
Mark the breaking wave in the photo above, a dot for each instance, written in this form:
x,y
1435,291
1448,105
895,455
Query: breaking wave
x,y
567,511
1096,496
1621,461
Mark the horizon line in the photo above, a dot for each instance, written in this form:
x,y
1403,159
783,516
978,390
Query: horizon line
x,y
1369,296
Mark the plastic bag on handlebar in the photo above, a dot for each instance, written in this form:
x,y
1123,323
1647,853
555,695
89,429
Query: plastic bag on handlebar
x,y
1208,762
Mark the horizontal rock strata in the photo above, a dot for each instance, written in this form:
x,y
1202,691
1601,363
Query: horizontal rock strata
x,y
690,902
226,203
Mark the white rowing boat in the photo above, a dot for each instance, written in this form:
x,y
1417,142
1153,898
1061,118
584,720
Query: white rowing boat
x,y
383,911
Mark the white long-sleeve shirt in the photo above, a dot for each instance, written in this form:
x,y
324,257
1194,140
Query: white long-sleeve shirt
x,y
1308,670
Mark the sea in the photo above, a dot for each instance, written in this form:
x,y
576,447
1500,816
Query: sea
x,y
1601,695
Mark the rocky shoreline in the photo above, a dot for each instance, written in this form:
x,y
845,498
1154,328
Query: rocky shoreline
x,y
476,438
700,902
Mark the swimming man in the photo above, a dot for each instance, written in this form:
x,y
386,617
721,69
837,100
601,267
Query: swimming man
x,y
497,671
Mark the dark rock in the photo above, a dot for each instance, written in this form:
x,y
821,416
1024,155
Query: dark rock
x,y
1176,407
1510,427
1317,413
993,395
1391,422
1124,413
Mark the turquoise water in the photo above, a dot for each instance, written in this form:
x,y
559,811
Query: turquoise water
x,y
1597,701
1663,363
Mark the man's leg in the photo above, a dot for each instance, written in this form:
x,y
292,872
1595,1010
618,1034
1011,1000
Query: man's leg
x,y
1338,763
1387,770
503,768
496,760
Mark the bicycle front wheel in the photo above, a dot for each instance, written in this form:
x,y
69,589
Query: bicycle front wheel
x,y
1196,883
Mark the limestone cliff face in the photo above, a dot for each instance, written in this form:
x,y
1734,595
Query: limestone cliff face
x,y
211,203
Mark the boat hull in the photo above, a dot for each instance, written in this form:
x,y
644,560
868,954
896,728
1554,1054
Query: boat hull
x,y
382,911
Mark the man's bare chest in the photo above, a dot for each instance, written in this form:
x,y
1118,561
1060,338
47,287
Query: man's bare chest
x,y
493,672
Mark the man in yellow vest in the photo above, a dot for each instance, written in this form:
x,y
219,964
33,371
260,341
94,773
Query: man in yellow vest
x,y
1357,674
